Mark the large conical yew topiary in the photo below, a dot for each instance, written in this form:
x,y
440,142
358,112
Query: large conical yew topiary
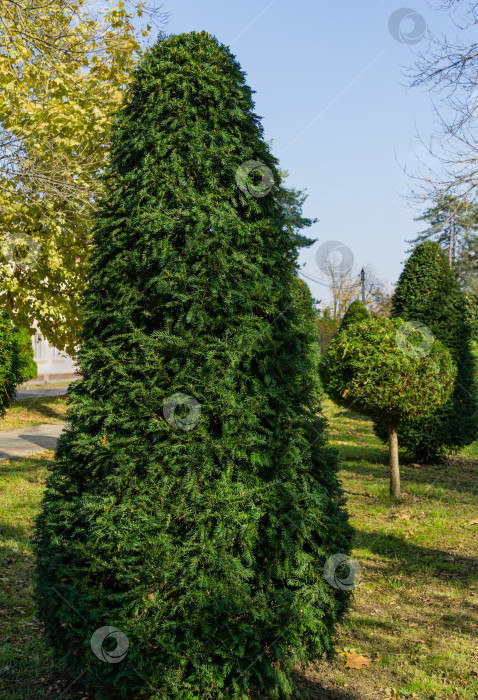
x,y
428,293
194,500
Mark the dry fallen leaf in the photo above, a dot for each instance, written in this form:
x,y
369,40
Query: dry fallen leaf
x,y
401,516
356,661
473,522
413,624
411,532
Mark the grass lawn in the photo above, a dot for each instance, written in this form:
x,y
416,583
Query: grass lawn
x,y
415,611
27,412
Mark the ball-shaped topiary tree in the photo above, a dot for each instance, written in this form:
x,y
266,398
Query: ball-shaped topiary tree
x,y
200,537
357,311
10,366
428,292
382,368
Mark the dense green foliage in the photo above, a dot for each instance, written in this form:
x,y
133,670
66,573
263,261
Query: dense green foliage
x,y
366,369
304,304
27,365
10,374
327,328
357,311
205,546
428,292
471,310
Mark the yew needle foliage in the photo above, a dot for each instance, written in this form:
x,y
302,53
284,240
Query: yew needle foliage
x,y
205,546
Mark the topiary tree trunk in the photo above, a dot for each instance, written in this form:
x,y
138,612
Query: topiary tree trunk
x,y
193,500
394,462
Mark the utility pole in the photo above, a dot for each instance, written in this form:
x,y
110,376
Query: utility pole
x,y
450,239
362,280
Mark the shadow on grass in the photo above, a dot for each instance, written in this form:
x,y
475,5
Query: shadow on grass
x,y
15,466
312,689
45,406
458,475
11,532
415,557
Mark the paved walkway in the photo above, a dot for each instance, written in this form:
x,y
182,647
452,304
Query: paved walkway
x,y
38,392
24,441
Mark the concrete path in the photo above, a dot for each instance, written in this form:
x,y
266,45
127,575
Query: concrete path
x,y
38,392
24,441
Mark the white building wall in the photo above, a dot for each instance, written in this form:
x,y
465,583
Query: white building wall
x,y
50,362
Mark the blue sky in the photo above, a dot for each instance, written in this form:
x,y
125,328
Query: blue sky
x,y
330,87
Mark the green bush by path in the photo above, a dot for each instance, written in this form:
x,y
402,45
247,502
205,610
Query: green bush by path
x,y
205,546
10,363
428,292
28,366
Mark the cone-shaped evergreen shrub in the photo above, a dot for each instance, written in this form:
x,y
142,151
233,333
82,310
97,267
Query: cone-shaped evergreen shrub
x,y
356,312
10,374
201,536
428,292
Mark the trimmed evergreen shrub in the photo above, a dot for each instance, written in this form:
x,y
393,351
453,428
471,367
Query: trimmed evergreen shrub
x,y
10,374
199,533
307,316
27,364
327,329
357,311
428,292
373,369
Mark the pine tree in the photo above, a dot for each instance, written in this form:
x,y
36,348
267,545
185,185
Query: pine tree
x,y
193,500
356,312
453,223
428,292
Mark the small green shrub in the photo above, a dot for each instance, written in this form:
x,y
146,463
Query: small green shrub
x,y
28,366
10,365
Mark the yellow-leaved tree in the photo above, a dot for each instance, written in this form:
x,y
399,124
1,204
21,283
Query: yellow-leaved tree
x,y
63,68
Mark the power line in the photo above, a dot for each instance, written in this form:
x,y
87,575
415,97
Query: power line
x,y
313,279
